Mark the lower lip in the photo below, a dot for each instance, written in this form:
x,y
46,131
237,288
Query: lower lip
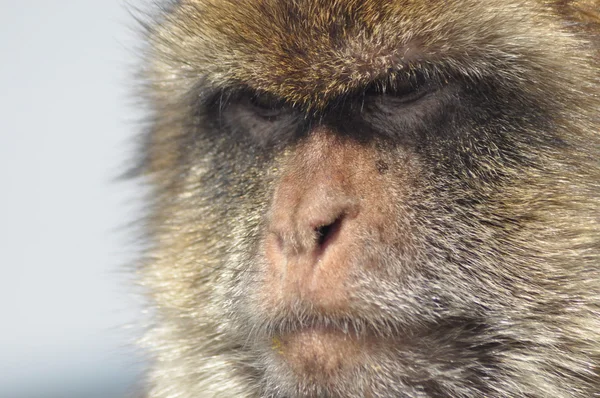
x,y
321,352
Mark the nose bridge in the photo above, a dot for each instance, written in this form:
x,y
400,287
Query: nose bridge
x,y
315,190
329,178
327,150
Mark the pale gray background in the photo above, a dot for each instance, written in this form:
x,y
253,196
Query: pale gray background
x,y
68,312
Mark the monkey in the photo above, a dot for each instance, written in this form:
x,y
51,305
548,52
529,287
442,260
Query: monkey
x,y
372,198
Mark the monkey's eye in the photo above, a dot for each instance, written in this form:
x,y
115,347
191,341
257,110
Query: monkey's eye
x,y
409,107
259,117
265,105
401,91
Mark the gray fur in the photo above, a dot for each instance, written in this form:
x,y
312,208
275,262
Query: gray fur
x,y
497,293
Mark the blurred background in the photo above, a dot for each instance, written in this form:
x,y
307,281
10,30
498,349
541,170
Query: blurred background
x,y
69,311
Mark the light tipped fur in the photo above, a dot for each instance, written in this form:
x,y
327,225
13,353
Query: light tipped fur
x,y
505,299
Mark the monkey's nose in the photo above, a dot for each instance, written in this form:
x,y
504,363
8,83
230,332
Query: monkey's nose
x,y
326,233
309,241
306,233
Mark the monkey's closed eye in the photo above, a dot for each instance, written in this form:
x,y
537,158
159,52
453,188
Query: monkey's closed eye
x,y
408,106
260,117
265,105
401,91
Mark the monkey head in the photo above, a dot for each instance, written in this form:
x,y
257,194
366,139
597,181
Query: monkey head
x,y
369,198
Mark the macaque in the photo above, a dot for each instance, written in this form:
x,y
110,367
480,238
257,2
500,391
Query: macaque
x,y
373,198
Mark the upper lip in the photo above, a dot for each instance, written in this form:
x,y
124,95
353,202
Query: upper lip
x,y
349,326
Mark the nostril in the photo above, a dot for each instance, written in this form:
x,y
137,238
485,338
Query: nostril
x,y
322,233
325,233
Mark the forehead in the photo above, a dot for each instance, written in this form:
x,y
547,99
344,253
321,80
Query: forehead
x,y
309,50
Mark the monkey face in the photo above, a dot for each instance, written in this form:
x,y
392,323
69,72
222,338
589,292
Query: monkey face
x,y
373,199
355,263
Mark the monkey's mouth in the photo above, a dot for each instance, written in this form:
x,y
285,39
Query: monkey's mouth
x,y
322,351
319,351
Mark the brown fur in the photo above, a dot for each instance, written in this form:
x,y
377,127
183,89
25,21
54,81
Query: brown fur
x,y
467,259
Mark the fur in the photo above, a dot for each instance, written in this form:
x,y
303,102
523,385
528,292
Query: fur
x,y
502,220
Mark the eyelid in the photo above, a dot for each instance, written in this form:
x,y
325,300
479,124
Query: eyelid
x,y
406,88
412,96
261,104
265,100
